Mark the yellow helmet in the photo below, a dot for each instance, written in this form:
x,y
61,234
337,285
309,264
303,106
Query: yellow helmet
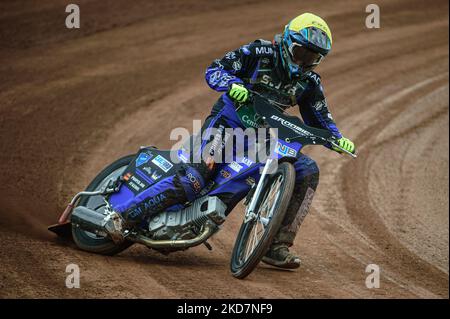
x,y
306,40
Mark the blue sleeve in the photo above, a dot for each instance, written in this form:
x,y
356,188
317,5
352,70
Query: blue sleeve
x,y
237,65
223,72
313,107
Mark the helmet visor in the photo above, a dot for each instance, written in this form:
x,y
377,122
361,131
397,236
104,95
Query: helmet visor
x,y
304,57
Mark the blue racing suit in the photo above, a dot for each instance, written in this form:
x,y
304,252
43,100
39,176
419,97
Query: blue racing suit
x,y
257,66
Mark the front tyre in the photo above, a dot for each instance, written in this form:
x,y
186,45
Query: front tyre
x,y
255,236
89,241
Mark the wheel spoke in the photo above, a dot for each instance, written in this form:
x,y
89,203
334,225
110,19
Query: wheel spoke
x,y
262,217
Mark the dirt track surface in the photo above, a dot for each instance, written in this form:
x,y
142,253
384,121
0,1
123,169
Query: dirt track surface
x,y
71,101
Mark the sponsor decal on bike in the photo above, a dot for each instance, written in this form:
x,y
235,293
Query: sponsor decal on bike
x,y
235,166
285,150
155,176
297,129
162,163
142,159
225,173
127,176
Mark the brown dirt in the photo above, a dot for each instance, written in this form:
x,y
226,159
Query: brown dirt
x,y
74,100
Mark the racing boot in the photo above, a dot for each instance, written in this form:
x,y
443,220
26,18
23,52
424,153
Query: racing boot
x,y
278,254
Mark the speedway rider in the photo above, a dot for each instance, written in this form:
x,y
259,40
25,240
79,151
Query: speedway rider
x,y
281,70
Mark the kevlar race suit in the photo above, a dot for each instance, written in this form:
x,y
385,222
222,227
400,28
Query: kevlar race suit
x,y
256,65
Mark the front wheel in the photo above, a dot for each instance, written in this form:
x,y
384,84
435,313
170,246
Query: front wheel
x,y
89,241
256,234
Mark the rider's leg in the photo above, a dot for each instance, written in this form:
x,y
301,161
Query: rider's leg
x,y
187,183
307,179
183,186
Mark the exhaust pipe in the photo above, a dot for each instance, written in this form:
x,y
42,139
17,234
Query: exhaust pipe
x,y
92,221
181,243
89,220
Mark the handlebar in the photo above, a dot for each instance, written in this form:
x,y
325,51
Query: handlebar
x,y
279,105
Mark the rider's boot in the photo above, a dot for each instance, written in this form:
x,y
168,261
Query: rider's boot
x,y
278,254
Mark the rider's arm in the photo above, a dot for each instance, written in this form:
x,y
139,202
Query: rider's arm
x,y
236,65
314,108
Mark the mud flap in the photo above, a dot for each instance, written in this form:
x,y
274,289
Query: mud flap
x,y
63,230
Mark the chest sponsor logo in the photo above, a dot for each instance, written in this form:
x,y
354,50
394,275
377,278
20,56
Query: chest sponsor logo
x,y
264,50
162,163
287,88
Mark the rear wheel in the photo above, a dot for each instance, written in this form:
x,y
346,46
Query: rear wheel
x,y
89,241
256,233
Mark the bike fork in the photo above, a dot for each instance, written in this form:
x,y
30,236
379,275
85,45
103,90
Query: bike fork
x,y
268,168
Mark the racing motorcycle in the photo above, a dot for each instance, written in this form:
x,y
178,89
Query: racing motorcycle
x,y
266,189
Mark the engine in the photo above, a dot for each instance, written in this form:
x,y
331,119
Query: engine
x,y
187,223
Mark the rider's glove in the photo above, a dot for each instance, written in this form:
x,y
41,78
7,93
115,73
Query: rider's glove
x,y
238,92
346,144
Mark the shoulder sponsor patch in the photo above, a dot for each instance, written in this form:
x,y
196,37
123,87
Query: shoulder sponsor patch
x,y
162,163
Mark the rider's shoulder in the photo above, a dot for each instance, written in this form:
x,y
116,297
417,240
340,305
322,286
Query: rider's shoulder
x,y
259,48
313,78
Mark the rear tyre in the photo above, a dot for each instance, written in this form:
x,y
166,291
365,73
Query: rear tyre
x,y
255,236
89,241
